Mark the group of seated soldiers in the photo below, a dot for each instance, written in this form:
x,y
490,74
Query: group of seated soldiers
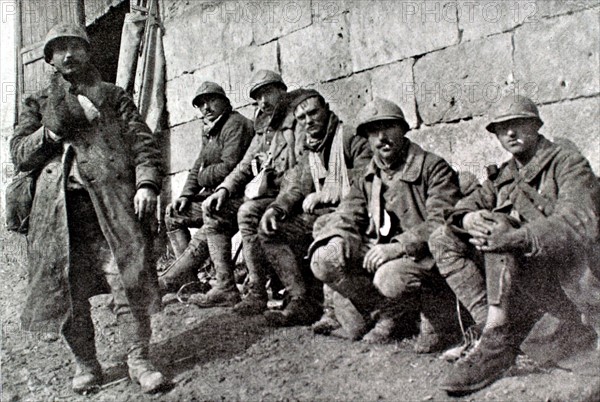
x,y
384,230
363,216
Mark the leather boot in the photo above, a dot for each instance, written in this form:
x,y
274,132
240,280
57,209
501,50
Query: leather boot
x,y
225,292
185,268
78,332
495,353
302,309
353,324
440,327
179,239
135,335
395,319
328,322
299,311
255,301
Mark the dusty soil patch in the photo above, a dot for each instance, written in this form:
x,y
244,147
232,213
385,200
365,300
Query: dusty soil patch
x,y
214,355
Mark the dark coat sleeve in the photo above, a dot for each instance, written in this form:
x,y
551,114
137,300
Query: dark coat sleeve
x,y
29,147
236,135
146,152
297,183
358,154
349,221
442,192
574,223
241,175
484,197
191,187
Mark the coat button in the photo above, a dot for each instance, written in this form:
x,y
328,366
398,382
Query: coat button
x,y
49,171
111,158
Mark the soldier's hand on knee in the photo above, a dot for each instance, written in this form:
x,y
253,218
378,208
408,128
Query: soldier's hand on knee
x,y
382,253
311,202
215,201
508,241
181,204
268,222
479,223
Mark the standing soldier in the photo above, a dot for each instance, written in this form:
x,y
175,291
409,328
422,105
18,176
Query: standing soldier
x,y
533,225
373,249
225,138
240,200
333,156
99,174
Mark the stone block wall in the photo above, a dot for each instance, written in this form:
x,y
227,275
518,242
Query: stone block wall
x,y
444,61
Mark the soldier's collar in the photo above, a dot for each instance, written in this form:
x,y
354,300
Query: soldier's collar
x,y
409,170
545,153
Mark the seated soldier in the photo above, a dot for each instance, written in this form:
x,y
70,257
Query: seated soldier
x,y
241,199
333,156
225,138
531,234
373,249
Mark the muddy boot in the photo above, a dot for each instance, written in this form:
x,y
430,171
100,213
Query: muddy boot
x,y
255,301
353,324
440,328
179,239
185,268
494,355
395,319
300,311
79,335
225,292
143,372
135,335
327,323
88,376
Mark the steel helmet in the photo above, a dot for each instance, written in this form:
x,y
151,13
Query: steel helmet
x,y
208,88
380,109
63,31
512,107
262,78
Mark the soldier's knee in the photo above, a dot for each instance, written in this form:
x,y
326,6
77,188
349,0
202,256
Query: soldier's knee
x,y
327,265
392,282
249,215
171,223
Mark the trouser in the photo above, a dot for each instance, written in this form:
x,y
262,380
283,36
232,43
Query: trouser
x,y
178,224
395,287
219,227
191,217
286,250
524,287
92,271
461,265
249,215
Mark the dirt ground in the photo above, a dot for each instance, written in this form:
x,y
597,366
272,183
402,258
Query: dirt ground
x,y
212,354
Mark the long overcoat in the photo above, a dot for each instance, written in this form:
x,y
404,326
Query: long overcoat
x,y
116,154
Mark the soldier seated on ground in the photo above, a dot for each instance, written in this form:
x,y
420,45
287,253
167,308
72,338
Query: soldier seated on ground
x,y
373,249
225,138
333,156
242,197
528,239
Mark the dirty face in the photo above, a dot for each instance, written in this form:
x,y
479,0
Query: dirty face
x,y
268,96
387,139
69,56
312,116
518,136
211,106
